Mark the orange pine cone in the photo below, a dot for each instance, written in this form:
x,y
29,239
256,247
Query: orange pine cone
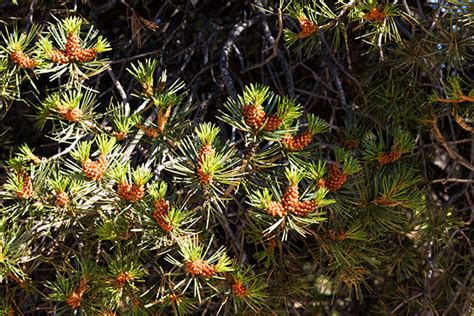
x,y
298,142
204,178
107,313
150,131
85,55
122,278
254,116
200,268
273,123
375,15
123,191
307,27
335,179
71,115
121,135
239,289
290,198
163,118
304,208
205,151
137,192
27,189
21,60
58,56
62,199
148,90
94,170
73,48
389,157
160,211
276,209
74,300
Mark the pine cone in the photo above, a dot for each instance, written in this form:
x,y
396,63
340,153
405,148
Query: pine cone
x,y
204,178
290,198
307,27
123,191
73,48
85,55
200,268
94,170
375,15
137,192
238,288
122,278
205,151
273,123
71,115
120,135
163,118
298,142
62,199
304,208
276,209
74,299
389,157
160,211
58,56
27,189
335,179
150,131
21,60
254,116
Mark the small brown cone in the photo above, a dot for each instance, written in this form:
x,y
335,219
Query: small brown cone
x,y
200,268
120,135
290,198
85,55
163,117
304,208
276,209
273,123
307,27
122,278
205,151
204,178
375,15
123,190
94,170
160,211
239,289
74,299
298,142
71,115
62,199
73,48
21,60
137,192
58,56
335,179
26,190
254,116
389,157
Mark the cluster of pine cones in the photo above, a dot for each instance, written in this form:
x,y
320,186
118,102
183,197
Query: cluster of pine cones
x,y
94,170
255,117
131,193
160,211
73,52
290,204
200,268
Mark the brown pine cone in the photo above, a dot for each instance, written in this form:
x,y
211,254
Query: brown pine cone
x,y
62,199
335,179
389,157
276,209
27,189
200,268
290,198
307,28
254,116
21,60
73,48
304,208
239,289
85,55
58,56
71,115
273,123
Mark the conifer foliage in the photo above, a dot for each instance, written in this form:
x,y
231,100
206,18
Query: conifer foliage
x,y
268,206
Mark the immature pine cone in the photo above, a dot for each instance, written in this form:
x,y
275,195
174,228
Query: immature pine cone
x,y
120,135
58,56
163,119
335,179
27,189
122,278
304,208
307,28
74,299
200,268
238,288
298,142
160,211
71,115
273,123
94,170
123,190
21,60
254,116
276,209
290,198
205,151
62,199
137,192
389,157
85,55
375,15
73,48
